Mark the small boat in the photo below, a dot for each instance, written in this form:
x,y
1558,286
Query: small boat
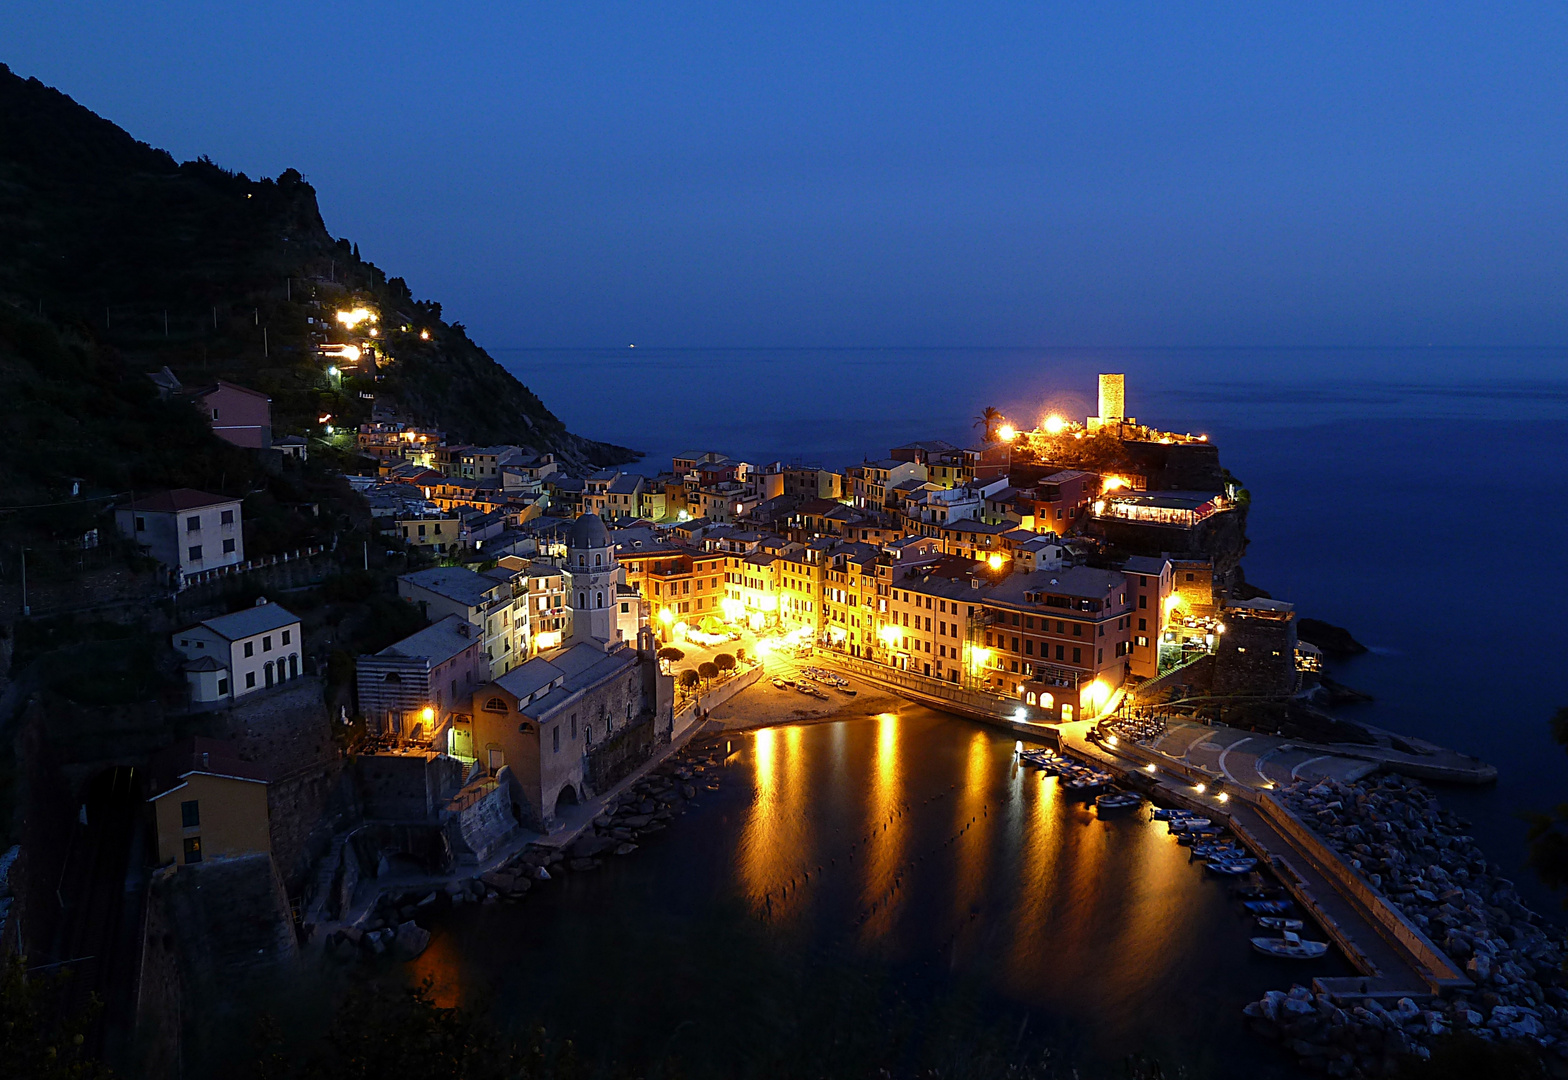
x,y
1218,854
1166,813
1290,947
1189,824
1255,892
1275,922
783,684
843,689
1232,869
1267,907
1119,800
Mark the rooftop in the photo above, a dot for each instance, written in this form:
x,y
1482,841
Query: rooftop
x,y
178,500
455,583
211,757
248,622
436,644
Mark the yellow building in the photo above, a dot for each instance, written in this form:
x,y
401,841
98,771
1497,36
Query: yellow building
x,y
688,584
209,804
855,598
801,577
933,618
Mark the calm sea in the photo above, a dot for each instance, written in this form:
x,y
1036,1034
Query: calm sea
x,y
1418,497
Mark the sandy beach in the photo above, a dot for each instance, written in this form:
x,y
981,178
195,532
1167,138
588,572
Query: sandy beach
x,y
765,705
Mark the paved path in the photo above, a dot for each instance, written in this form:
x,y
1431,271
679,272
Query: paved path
x,y
1251,758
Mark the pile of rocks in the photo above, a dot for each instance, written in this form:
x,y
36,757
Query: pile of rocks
x,y
1409,849
646,808
392,928
1366,1039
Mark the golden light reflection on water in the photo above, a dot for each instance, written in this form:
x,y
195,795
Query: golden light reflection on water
x,y
885,828
1155,907
442,964
1042,843
973,822
758,852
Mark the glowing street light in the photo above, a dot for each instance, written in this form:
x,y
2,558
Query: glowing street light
x,y
428,715
995,560
666,616
355,316
1054,425
350,353
424,335
1007,433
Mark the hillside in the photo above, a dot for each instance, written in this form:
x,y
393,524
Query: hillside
x,y
132,261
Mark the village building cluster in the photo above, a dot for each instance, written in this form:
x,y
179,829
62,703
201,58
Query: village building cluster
x,y
1012,569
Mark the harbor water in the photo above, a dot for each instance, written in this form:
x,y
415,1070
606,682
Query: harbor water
x,y
890,889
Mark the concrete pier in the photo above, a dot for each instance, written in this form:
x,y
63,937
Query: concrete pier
x,y
1394,958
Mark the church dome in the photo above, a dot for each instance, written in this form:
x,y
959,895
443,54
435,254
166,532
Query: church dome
x,y
588,531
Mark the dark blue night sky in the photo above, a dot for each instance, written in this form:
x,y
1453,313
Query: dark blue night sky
x,y
902,175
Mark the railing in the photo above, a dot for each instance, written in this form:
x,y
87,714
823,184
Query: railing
x,y
201,577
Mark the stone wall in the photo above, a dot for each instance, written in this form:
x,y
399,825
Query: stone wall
x,y
230,918
305,809
1255,655
618,755
482,817
406,787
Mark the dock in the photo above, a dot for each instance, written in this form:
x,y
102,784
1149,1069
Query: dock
x,y
1392,956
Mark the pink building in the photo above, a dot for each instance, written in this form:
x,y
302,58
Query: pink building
x,y
237,414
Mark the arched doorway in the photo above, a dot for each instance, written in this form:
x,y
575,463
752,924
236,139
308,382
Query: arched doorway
x,y
564,799
267,667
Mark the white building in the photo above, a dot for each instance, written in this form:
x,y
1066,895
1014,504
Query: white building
x,y
235,654
495,602
186,530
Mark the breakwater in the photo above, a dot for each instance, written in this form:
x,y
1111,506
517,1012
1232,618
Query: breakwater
x,y
1419,859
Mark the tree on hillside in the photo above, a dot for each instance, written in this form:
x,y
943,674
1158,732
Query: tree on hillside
x,y
37,1037
990,419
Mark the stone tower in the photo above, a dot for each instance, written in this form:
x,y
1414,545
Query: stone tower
x,y
1113,399
590,559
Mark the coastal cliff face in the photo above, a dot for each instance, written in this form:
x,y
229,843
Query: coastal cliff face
x,y
150,262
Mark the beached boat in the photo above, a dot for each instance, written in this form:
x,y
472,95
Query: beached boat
x,y
1276,922
1290,947
783,684
1267,907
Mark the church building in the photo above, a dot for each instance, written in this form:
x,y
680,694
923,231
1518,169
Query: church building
x,y
575,719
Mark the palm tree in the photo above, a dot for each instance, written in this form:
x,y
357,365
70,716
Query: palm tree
x,y
989,419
